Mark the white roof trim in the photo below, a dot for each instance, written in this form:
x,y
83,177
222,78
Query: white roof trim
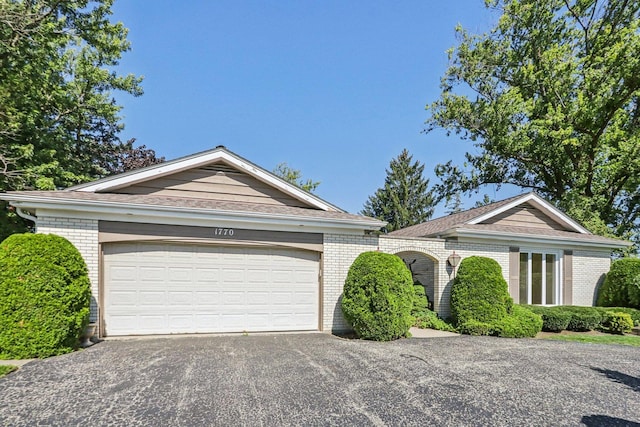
x,y
546,207
521,237
197,160
95,206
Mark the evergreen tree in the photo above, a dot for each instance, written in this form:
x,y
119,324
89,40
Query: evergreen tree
x,y
405,199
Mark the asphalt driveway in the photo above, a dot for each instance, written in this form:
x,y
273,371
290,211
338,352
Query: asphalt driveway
x,y
318,379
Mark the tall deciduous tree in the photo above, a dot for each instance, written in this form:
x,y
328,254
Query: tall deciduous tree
x,y
58,118
59,123
550,98
294,176
405,199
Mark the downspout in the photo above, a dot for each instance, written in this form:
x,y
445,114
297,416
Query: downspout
x,y
25,215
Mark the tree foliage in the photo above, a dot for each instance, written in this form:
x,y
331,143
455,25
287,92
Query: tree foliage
x,y
550,99
405,199
59,123
294,176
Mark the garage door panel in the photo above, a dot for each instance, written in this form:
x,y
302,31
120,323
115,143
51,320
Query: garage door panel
x,y
124,298
149,274
171,288
145,298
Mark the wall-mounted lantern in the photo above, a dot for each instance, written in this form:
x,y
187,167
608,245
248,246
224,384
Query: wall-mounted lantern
x,y
454,261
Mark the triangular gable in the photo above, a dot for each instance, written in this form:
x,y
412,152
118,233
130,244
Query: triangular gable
x,y
529,210
218,174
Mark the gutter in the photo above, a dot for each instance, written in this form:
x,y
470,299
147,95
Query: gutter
x,y
22,201
612,243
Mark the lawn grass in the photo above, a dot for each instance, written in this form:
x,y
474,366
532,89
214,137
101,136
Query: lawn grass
x,y
632,340
5,369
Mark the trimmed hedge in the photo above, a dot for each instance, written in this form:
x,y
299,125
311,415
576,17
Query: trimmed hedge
x,y
621,286
554,319
481,305
378,297
576,318
44,296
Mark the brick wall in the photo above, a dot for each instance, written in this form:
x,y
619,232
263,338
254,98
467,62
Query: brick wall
x,y
83,233
339,253
341,250
589,269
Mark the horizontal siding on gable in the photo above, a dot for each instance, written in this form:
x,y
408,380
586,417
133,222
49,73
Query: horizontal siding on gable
x,y
214,183
525,216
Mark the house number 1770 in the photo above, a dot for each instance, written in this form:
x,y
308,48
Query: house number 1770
x,y
223,231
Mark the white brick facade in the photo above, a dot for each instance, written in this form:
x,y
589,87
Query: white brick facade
x,y
83,234
589,269
341,250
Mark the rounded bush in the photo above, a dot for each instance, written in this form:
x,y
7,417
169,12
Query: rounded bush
x,y
378,297
479,292
617,322
520,323
44,296
621,286
633,312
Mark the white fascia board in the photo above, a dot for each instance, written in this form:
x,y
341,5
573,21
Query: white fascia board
x,y
157,171
484,236
541,204
165,214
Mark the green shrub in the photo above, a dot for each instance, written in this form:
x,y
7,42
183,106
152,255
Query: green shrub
x,y
474,327
378,297
420,300
44,296
617,322
621,286
633,312
479,292
520,323
554,319
583,318
429,319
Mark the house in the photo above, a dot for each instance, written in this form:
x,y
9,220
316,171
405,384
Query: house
x,y
213,243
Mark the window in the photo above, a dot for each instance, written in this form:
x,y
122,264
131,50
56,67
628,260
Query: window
x,y
540,278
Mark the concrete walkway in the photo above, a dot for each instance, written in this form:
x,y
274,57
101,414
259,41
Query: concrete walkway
x,y
17,363
430,333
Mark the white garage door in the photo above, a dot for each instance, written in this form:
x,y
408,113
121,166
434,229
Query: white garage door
x,y
170,288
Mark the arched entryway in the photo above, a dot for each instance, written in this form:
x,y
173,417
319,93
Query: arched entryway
x,y
424,269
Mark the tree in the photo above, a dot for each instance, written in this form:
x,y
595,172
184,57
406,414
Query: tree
x,y
550,98
294,176
405,199
127,157
57,113
59,124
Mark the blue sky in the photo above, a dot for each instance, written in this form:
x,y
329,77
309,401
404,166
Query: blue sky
x,y
334,88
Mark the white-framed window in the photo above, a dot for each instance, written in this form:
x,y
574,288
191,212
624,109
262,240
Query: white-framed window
x,y
540,277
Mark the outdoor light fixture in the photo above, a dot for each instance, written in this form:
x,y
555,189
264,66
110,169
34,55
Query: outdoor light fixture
x,y
454,259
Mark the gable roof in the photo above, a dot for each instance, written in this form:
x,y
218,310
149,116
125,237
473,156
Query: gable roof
x,y
218,154
477,223
107,198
